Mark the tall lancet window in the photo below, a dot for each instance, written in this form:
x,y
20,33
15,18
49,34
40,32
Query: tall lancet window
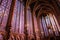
x,y
14,18
54,25
4,12
49,25
17,22
21,27
44,26
29,24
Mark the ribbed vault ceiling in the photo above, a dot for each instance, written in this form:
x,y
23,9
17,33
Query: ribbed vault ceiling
x,y
38,5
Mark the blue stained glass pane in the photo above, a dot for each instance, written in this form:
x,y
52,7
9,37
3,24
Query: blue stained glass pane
x,y
44,26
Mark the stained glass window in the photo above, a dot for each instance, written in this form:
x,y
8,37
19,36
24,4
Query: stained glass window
x,y
49,25
4,12
18,20
54,25
29,24
41,29
44,26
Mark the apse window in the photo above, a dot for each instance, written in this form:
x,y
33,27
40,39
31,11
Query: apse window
x,y
49,24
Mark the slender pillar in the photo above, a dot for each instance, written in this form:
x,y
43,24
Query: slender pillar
x,y
8,25
36,28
